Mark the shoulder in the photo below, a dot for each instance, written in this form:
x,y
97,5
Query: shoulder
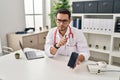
x,y
52,30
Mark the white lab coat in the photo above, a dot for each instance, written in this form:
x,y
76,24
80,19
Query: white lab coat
x,y
76,44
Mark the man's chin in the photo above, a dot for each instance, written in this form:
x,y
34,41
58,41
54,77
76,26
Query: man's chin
x,y
61,29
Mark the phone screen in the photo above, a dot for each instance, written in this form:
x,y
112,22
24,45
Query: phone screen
x,y
73,59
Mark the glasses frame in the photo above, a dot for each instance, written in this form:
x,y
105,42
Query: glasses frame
x,y
65,21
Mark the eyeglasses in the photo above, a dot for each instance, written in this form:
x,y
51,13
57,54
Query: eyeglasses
x,y
63,21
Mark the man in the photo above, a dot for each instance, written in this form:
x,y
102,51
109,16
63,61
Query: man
x,y
65,39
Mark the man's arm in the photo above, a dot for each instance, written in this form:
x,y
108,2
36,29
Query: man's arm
x,y
49,43
82,48
54,49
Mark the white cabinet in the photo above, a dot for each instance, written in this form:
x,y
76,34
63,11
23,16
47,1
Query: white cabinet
x,y
32,40
103,41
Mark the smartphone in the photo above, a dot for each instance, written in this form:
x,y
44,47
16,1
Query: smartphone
x,y
73,59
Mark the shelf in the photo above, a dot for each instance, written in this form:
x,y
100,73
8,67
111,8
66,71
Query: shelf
x,y
116,60
93,32
116,35
98,56
116,64
100,50
76,15
115,53
98,29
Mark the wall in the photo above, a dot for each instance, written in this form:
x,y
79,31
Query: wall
x,y
47,12
11,17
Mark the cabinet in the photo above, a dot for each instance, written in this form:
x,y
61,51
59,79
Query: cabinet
x,y
78,7
90,6
105,6
117,6
103,40
31,40
96,6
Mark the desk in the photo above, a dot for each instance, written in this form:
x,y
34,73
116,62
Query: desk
x,y
48,69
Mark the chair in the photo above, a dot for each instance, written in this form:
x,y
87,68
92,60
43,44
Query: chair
x,y
5,50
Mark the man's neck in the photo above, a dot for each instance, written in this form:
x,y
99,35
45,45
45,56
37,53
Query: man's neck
x,y
62,32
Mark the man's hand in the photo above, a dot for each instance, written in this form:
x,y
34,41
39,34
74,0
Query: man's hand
x,y
62,42
80,59
53,50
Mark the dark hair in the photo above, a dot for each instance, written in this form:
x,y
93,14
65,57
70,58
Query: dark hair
x,y
64,11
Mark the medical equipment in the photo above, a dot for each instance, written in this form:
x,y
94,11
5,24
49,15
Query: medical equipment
x,y
99,67
69,35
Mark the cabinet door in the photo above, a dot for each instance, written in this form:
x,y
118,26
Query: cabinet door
x,y
116,6
105,6
31,41
78,7
91,7
42,39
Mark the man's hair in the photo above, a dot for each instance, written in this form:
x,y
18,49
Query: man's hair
x,y
64,11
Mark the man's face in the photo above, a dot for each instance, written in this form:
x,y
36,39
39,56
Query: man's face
x,y
62,21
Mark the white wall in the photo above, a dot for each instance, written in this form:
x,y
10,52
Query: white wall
x,y
0,47
48,10
11,17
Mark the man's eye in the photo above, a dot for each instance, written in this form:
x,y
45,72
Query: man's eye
x,y
64,20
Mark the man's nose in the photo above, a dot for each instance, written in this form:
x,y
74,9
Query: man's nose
x,y
61,23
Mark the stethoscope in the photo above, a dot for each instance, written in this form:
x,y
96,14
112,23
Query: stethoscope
x,y
69,35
